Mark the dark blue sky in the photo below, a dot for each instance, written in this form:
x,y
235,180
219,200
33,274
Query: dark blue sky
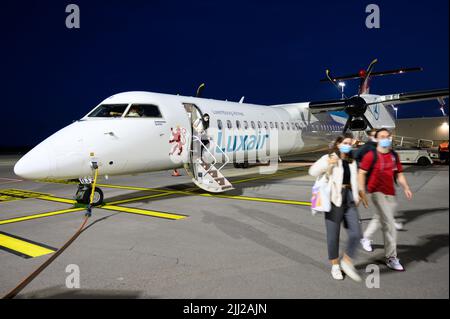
x,y
269,51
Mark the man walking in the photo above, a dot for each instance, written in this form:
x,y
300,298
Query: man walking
x,y
377,172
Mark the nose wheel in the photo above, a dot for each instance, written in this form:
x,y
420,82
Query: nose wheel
x,y
83,195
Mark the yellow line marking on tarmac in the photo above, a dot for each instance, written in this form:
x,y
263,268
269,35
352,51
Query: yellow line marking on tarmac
x,y
143,212
57,199
41,215
11,194
23,247
162,193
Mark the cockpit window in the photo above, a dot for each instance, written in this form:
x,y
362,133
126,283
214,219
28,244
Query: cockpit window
x,y
109,110
143,110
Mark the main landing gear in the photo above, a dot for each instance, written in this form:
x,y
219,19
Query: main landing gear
x,y
241,165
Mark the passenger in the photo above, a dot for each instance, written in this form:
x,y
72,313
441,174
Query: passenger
x,y
370,146
342,172
201,126
380,168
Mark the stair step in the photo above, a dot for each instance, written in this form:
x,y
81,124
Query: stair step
x,y
220,181
206,166
214,173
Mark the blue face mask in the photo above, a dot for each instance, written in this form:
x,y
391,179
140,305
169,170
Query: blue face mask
x,y
385,142
345,148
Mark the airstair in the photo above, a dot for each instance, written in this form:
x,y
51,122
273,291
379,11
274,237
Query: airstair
x,y
206,175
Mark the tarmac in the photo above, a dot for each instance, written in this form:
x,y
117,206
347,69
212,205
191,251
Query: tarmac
x,y
157,236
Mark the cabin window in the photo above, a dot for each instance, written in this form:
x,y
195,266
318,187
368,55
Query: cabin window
x,y
266,126
109,110
282,126
245,125
143,111
271,125
276,125
287,126
219,124
253,125
259,124
229,125
238,125
297,126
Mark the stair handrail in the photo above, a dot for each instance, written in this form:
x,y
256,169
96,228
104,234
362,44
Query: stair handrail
x,y
214,158
227,158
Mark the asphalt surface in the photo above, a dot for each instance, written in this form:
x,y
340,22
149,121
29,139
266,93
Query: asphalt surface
x,y
239,247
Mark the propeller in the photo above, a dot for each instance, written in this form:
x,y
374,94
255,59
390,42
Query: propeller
x,y
356,106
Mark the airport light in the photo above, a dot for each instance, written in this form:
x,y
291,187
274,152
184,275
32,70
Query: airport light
x,y
444,127
396,111
342,85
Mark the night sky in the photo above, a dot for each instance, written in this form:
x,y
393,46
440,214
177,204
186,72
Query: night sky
x,y
270,51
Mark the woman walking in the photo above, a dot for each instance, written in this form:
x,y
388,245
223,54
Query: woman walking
x,y
342,174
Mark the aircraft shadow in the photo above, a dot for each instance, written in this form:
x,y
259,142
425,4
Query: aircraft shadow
x,y
239,188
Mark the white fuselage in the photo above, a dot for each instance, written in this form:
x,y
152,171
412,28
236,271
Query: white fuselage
x,y
128,145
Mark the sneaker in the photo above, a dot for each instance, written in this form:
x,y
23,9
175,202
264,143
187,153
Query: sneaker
x,y
367,244
336,272
350,271
394,264
398,226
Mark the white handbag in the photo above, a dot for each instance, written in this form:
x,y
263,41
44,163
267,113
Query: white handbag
x,y
321,195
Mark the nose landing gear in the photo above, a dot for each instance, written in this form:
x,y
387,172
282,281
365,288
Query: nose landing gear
x,y
83,195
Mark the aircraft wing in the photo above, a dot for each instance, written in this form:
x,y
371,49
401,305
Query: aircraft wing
x,y
371,110
358,102
402,98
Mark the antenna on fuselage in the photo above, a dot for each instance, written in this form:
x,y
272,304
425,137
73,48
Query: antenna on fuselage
x,y
242,100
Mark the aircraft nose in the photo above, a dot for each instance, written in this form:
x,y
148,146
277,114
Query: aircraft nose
x,y
34,165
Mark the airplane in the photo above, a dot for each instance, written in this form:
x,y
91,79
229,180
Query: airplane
x,y
137,132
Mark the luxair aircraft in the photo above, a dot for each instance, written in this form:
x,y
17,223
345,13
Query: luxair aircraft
x,y
136,132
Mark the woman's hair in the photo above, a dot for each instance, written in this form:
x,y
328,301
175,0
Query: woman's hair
x,y
205,123
335,149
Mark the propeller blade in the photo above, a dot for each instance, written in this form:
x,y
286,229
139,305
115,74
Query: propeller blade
x,y
200,89
347,124
370,67
363,88
367,122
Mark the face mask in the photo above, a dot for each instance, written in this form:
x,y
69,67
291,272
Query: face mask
x,y
385,142
345,148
